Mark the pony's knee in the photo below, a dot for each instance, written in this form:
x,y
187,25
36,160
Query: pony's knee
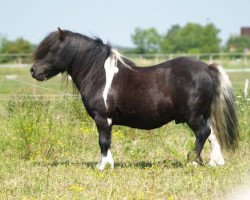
x,y
203,133
206,132
199,126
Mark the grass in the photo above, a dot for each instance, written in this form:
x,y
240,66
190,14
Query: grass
x,y
49,150
21,85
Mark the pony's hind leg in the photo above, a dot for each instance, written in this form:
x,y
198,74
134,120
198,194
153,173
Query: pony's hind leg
x,y
104,130
201,131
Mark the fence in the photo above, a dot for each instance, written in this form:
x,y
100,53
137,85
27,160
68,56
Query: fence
x,y
226,59
17,58
233,62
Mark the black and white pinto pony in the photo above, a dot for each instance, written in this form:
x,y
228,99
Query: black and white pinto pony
x,y
117,92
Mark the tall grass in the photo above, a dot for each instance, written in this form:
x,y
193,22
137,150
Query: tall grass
x,y
37,126
49,150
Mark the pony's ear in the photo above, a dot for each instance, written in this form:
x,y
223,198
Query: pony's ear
x,y
61,34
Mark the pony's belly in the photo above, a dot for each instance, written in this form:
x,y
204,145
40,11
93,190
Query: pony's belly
x,y
145,126
142,122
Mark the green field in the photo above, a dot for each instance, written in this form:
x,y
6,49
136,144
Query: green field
x,y
49,150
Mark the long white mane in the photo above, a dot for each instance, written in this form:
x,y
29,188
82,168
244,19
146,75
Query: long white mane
x,y
118,56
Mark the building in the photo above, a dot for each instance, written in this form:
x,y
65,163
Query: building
x,y
245,31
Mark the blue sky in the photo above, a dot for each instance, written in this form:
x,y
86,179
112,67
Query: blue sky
x,y
114,20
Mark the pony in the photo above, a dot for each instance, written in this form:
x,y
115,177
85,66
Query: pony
x,y
115,91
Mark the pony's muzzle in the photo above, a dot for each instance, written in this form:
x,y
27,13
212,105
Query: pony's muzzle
x,y
37,76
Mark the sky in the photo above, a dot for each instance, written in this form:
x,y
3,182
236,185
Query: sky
x,y
114,20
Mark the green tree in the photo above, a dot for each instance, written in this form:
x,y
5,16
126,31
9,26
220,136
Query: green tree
x,y
146,40
19,45
192,38
238,43
2,40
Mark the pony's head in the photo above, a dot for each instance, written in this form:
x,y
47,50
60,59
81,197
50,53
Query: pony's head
x,y
64,50
48,57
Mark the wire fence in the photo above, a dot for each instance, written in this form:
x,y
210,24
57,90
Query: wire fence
x,y
59,95
234,62
242,59
31,97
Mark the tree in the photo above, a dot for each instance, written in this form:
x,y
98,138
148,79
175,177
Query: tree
x,y
238,43
19,45
192,38
171,40
147,40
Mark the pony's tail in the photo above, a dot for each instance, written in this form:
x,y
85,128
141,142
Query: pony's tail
x,y
223,109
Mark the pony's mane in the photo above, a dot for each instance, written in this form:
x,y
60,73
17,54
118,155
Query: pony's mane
x,y
124,60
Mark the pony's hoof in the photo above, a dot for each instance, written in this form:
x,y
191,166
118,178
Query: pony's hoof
x,y
195,163
216,162
194,160
102,166
192,164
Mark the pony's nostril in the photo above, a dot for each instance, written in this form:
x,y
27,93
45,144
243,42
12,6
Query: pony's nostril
x,y
32,70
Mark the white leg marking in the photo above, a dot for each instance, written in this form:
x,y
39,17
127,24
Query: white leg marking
x,y
216,157
111,69
109,121
106,160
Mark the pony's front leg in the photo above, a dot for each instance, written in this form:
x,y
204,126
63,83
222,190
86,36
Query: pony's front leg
x,y
104,130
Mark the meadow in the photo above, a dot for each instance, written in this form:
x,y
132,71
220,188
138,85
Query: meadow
x,y
49,150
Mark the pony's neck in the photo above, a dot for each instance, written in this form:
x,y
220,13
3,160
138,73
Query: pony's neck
x,y
90,77
87,70
89,82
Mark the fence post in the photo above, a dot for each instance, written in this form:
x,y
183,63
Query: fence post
x,y
171,56
157,58
246,89
210,59
245,60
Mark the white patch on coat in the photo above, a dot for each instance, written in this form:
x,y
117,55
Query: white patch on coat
x,y
106,160
111,69
109,121
216,157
